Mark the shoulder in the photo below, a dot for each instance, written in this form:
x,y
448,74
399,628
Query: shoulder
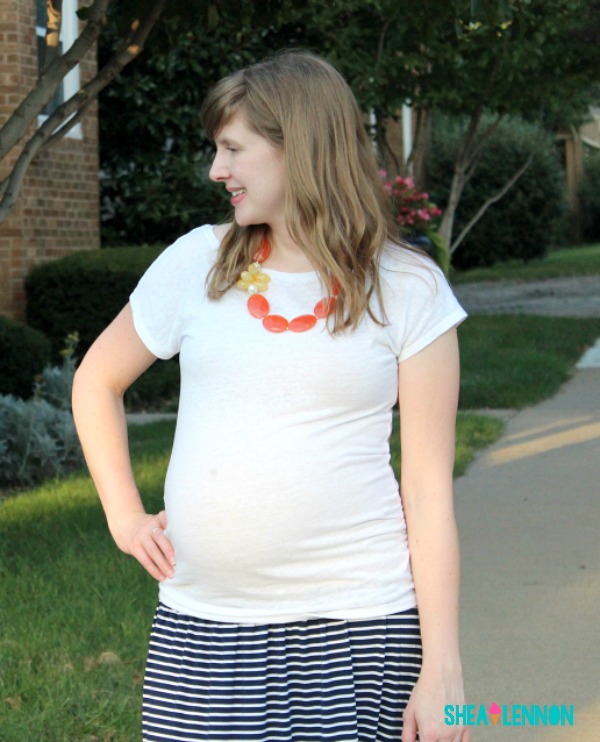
x,y
414,286
202,239
401,269
186,261
418,302
191,252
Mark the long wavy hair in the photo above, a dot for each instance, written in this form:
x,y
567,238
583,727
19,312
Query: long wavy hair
x,y
335,205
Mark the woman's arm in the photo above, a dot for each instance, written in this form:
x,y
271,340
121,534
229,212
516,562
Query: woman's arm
x,y
428,396
115,360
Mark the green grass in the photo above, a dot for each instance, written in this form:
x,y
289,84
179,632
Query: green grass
x,y
571,261
512,361
74,612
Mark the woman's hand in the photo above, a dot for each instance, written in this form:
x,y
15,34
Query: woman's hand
x,y
142,536
424,712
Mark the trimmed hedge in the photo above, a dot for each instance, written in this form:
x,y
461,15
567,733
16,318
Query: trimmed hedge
x,y
83,292
528,220
24,353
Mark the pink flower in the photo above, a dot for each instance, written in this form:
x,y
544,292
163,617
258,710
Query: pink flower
x,y
413,209
406,182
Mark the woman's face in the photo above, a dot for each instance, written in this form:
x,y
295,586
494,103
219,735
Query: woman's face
x,y
253,171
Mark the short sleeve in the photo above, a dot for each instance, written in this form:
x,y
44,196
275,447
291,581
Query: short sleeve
x,y
158,302
420,306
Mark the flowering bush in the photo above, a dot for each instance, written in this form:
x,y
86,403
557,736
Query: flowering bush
x,y
417,216
413,209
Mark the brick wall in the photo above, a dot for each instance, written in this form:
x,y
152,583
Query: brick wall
x,y
58,208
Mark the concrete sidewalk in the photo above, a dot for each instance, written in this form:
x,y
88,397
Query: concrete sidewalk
x,y
528,512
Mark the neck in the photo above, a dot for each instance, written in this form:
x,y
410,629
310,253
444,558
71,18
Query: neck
x,y
287,255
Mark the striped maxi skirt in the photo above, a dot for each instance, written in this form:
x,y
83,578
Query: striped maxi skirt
x,y
319,679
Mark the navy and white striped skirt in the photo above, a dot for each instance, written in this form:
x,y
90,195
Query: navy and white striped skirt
x,y
320,679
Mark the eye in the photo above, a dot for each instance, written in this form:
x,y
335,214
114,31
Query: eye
x,y
232,149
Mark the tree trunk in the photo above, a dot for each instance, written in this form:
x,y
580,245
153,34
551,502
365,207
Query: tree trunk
x,y
421,146
456,188
465,165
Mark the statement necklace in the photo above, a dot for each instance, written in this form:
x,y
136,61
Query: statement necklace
x,y
255,282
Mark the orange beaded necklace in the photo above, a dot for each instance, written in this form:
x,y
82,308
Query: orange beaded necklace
x,y
255,282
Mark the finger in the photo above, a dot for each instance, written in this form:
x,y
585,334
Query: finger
x,y
150,556
148,563
409,728
162,519
164,544
160,550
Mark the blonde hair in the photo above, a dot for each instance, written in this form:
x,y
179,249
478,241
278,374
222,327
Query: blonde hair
x,y
334,197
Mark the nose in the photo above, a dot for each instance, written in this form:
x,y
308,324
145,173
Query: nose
x,y
218,170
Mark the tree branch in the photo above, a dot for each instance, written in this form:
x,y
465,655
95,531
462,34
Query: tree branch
x,y
33,103
66,127
72,110
478,147
69,113
467,151
491,200
465,165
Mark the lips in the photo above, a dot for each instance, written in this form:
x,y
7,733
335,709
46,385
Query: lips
x,y
237,196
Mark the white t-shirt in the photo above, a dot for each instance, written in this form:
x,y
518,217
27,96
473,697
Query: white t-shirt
x,y
280,498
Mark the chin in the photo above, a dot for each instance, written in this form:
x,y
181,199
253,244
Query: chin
x,y
246,221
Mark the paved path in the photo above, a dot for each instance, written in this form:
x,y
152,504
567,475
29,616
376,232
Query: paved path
x,y
560,297
529,517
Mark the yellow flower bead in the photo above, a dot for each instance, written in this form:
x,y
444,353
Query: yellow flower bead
x,y
253,279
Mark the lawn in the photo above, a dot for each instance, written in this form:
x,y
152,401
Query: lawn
x,y
517,360
75,613
571,261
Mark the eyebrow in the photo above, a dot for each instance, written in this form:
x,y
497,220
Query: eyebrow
x,y
225,141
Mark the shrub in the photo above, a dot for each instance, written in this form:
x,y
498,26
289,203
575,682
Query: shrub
x,y
56,382
418,218
525,223
37,436
83,292
589,194
37,441
157,388
23,354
